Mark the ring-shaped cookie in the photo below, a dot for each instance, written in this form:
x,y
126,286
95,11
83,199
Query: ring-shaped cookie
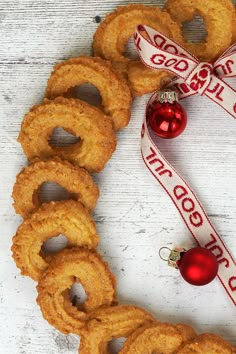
x,y
66,217
67,267
108,323
75,180
114,90
113,33
234,27
157,337
97,143
218,17
207,343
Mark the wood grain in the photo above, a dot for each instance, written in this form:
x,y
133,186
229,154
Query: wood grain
x,y
134,216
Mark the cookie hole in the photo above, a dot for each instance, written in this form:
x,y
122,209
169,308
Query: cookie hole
x,y
77,295
195,31
115,345
130,50
61,138
88,93
54,245
52,191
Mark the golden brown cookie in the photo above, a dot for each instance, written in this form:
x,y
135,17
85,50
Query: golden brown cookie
x,y
97,143
234,27
75,180
207,343
157,337
113,33
67,217
108,323
187,332
143,79
68,267
114,90
218,17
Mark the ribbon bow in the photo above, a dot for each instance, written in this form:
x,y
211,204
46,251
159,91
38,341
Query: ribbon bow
x,y
193,77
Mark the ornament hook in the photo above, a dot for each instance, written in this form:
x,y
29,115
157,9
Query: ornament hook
x,y
160,251
174,257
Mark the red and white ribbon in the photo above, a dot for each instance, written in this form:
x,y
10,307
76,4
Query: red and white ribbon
x,y
160,52
188,205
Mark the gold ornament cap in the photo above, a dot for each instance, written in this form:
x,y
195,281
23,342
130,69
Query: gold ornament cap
x,y
174,257
166,95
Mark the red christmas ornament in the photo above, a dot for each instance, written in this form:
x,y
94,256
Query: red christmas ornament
x,y
198,266
165,115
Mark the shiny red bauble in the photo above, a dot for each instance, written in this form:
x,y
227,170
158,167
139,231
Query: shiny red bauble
x,y
198,266
167,120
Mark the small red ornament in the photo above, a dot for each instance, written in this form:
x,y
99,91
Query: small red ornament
x,y
198,266
165,115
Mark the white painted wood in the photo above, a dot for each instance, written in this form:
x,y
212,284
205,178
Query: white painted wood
x,y
134,216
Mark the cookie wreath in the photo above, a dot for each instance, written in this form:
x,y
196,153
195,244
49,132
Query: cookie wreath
x,y
101,319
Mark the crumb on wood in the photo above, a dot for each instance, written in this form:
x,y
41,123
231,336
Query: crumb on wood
x,y
97,19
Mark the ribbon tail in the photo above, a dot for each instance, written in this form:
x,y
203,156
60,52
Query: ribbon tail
x,y
190,210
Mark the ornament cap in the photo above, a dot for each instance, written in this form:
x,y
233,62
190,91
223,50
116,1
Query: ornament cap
x,y
166,95
175,255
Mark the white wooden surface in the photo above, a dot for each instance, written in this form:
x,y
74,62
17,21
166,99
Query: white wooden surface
x,y
134,216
